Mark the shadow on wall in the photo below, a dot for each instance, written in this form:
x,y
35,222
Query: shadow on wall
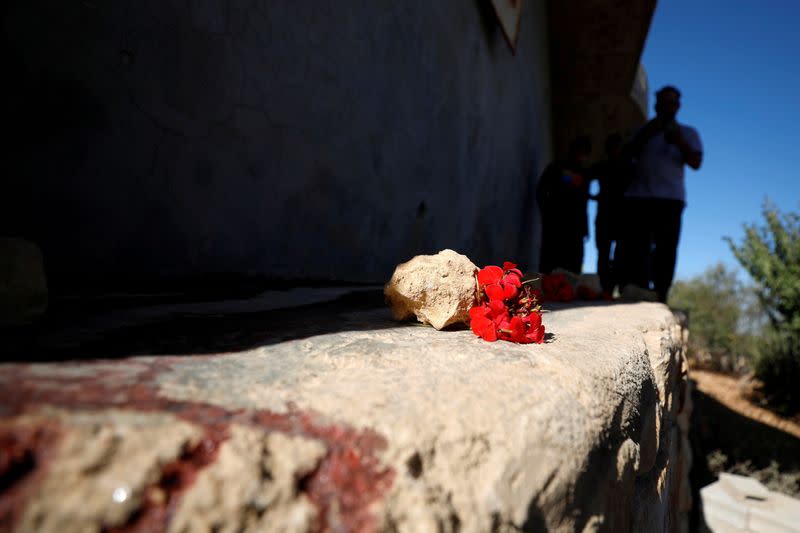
x,y
141,149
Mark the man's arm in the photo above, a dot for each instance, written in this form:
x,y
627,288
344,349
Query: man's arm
x,y
691,155
634,146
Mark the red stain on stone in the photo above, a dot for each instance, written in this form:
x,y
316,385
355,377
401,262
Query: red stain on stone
x,y
161,499
348,480
24,454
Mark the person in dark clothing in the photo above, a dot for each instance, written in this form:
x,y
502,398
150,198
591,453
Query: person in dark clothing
x,y
614,176
655,200
562,194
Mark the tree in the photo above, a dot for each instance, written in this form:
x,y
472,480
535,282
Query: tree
x,y
771,255
718,306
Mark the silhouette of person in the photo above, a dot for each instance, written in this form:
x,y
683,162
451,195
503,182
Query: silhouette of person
x,y
562,194
614,176
655,200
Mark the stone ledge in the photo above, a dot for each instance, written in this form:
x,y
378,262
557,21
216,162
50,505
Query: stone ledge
x,y
392,427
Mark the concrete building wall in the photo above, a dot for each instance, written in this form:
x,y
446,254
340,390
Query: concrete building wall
x,y
293,140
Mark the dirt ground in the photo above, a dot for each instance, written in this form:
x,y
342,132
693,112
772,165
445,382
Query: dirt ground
x,y
730,433
731,392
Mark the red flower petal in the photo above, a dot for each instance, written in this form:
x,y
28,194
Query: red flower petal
x,y
517,327
489,332
534,320
508,265
495,292
502,321
490,274
478,311
512,279
478,324
509,291
586,293
536,335
497,308
565,293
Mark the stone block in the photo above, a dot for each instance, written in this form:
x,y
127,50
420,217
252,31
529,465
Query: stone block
x,y
371,427
437,289
743,487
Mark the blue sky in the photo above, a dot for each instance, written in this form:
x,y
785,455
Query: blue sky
x,y
737,64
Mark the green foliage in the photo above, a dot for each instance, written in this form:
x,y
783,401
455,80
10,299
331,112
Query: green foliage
x,y
771,255
719,310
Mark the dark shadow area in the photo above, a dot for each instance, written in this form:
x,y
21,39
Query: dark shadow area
x,y
597,489
717,427
488,22
534,522
100,325
69,330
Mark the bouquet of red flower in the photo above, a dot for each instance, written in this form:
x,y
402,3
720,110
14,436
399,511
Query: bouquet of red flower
x,y
506,309
556,288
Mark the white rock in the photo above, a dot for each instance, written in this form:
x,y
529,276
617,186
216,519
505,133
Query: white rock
x,y
438,289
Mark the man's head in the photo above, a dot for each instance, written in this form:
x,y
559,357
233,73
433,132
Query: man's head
x,y
668,101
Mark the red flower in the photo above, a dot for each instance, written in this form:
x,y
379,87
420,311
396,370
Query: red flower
x,y
536,335
500,283
495,292
587,293
535,331
512,278
508,266
490,274
556,287
481,324
551,283
506,309
565,293
498,312
517,331
484,328
487,319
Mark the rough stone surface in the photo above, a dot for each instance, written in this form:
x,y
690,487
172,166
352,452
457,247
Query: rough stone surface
x,y
23,288
422,430
103,467
253,486
437,289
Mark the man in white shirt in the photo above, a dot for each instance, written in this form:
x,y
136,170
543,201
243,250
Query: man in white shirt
x,y
657,195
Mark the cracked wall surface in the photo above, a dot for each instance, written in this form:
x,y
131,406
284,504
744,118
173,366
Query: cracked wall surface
x,y
176,138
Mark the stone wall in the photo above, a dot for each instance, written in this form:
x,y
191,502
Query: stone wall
x,y
594,53
291,140
367,425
